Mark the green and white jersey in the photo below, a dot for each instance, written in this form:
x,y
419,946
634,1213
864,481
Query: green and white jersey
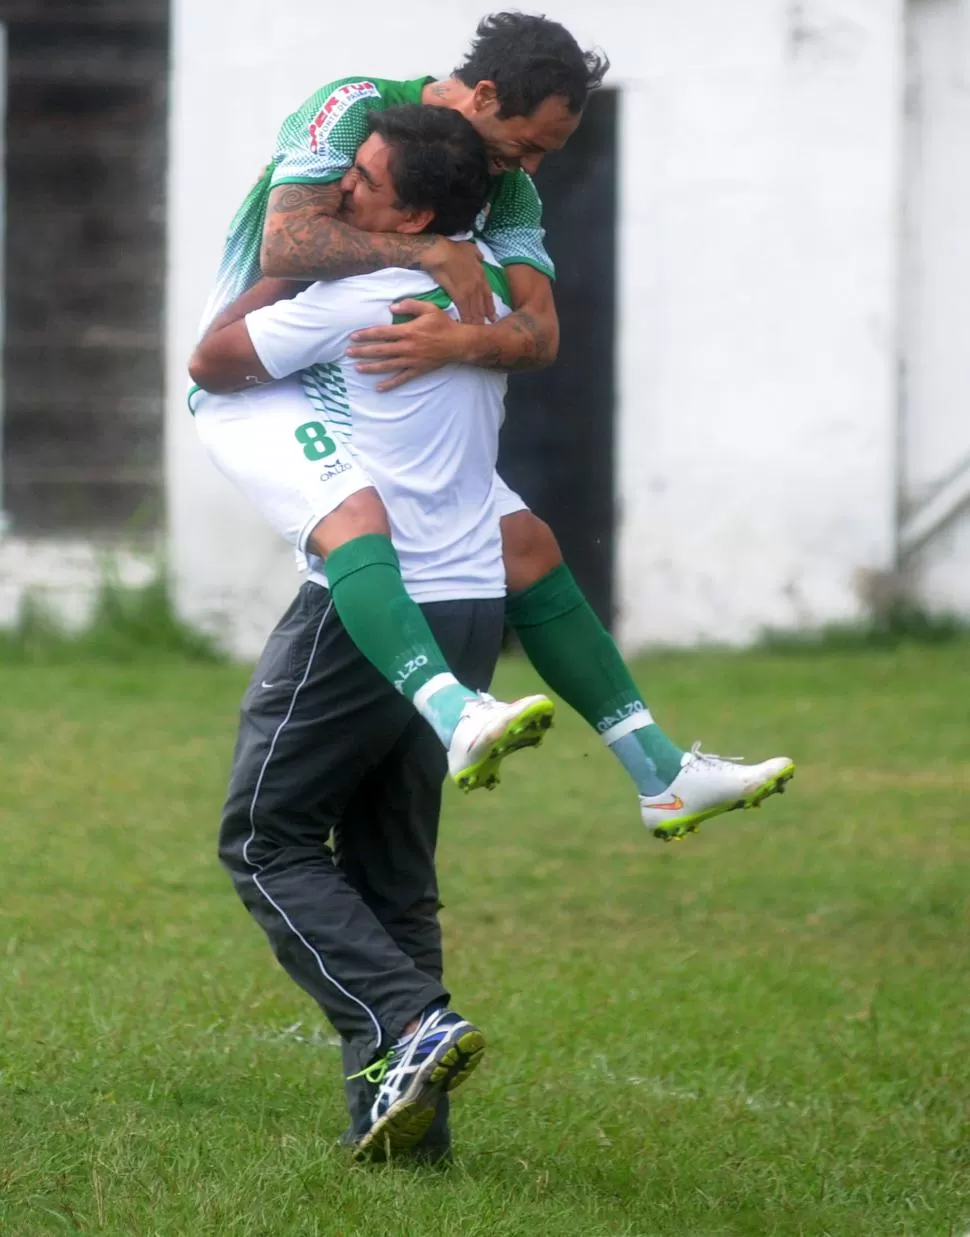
x,y
318,143
429,447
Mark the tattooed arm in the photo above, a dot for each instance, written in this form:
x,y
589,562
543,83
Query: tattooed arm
x,y
527,339
303,240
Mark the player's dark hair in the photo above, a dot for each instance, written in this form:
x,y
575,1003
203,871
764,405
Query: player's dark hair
x,y
529,59
438,162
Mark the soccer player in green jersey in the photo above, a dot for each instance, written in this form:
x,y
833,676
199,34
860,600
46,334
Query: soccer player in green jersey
x,y
523,86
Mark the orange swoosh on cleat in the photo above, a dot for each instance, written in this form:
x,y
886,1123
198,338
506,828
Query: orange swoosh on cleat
x,y
675,804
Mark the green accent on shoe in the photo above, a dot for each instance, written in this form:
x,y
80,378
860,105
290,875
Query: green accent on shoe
x,y
680,828
460,1061
374,1072
400,1129
525,730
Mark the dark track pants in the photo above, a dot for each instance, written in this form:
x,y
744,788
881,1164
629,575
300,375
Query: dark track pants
x,y
331,820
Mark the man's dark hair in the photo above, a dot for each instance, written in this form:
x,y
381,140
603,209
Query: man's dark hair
x,y
438,162
529,59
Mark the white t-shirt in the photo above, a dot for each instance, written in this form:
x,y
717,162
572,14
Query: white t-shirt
x,y
430,446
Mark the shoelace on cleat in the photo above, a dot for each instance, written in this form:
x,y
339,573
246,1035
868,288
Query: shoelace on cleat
x,y
376,1072
481,698
710,758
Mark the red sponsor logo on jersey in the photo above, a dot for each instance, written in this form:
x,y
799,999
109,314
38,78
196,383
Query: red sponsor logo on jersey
x,y
341,101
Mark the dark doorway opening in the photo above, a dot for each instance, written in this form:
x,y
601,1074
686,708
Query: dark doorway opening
x,y
85,265
558,439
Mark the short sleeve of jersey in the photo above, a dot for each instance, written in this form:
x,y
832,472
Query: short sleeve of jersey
x,y
319,141
512,227
295,334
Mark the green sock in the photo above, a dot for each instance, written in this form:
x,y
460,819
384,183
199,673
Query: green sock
x,y
390,630
576,656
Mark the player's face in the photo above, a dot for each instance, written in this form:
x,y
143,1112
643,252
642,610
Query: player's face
x,y
368,201
522,141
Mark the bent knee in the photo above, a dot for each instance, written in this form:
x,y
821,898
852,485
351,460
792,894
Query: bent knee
x,y
530,550
357,516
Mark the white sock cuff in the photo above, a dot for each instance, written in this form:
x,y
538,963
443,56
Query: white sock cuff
x,y
636,721
435,684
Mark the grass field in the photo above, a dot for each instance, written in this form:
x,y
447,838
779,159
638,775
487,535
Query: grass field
x,y
765,1030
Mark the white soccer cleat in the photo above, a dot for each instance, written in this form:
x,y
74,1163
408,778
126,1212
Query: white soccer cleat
x,y
706,786
489,730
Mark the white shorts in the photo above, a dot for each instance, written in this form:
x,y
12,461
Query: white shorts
x,y
259,440
251,437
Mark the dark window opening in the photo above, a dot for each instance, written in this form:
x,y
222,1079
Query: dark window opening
x,y
85,265
557,443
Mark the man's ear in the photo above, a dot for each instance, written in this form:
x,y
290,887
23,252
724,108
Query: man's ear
x,y
485,97
415,221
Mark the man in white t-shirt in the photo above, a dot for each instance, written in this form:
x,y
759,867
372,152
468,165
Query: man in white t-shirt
x,y
326,746
427,447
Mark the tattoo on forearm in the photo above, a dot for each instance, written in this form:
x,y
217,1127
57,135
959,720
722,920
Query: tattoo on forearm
x,y
287,198
537,346
527,349
302,240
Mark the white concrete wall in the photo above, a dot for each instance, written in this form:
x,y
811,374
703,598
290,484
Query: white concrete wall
x,y
758,249
758,351
65,577
936,426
